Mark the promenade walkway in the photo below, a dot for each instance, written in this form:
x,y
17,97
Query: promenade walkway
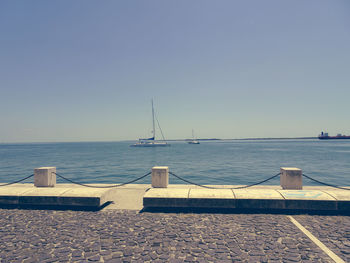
x,y
130,236
125,232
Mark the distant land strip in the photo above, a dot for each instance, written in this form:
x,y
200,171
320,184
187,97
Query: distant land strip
x,y
248,139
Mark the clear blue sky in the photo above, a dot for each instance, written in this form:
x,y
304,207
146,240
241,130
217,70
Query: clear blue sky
x,y
87,70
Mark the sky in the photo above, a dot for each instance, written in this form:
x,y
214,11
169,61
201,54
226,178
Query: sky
x,y
87,70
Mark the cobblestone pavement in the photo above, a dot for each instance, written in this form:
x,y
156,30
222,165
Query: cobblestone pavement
x,y
333,231
129,236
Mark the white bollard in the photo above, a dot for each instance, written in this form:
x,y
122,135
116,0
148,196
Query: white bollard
x,y
160,176
291,178
45,177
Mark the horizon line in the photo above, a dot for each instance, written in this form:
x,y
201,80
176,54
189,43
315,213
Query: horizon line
x,y
186,139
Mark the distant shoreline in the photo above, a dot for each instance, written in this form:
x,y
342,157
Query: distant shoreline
x,y
170,140
249,139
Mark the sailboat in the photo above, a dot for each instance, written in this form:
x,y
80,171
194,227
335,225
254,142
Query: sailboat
x,y
193,141
152,142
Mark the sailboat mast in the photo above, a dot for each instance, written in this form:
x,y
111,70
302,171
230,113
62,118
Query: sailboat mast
x,y
154,130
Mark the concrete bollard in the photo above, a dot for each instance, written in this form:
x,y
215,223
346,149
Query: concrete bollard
x,y
160,176
291,178
45,177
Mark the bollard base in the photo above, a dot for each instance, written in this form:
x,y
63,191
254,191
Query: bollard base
x,y
160,176
291,178
45,177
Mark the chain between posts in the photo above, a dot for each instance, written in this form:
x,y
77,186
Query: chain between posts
x,y
109,186
180,178
17,181
211,187
331,185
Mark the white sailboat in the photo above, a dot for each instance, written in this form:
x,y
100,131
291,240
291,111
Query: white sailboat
x,y
151,142
193,141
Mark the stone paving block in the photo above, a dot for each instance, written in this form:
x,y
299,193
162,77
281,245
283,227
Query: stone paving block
x,y
305,195
9,200
308,200
14,191
93,197
165,197
342,195
167,192
257,194
259,199
165,202
45,191
343,205
260,203
42,196
211,198
38,200
211,193
311,205
211,202
10,194
80,201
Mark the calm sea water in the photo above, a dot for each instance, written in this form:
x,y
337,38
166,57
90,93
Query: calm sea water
x,y
212,162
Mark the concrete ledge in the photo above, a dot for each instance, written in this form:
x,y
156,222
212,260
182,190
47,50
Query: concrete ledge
x,y
210,193
305,195
9,200
138,196
260,204
254,193
10,194
28,195
165,197
219,198
340,195
250,198
311,205
343,206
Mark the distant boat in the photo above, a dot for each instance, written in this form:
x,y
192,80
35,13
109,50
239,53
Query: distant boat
x,y
151,142
193,141
325,136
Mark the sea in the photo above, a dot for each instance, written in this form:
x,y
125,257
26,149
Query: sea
x,y
219,162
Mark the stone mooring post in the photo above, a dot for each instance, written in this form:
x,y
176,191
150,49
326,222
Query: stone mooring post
x,y
160,176
45,177
291,178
